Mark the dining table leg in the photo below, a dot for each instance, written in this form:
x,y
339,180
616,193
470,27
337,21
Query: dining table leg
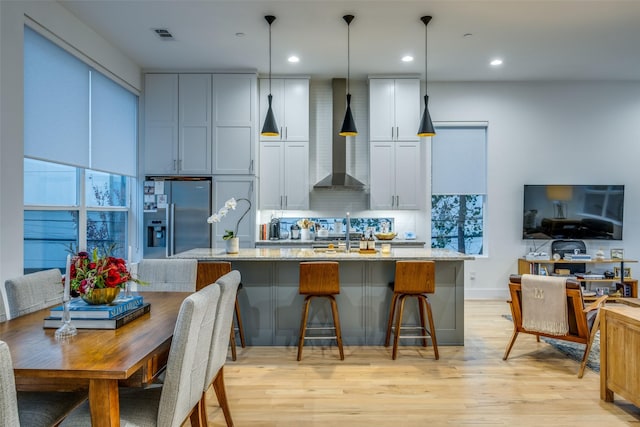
x,y
104,403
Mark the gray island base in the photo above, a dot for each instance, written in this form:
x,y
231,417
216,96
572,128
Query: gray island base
x,y
271,306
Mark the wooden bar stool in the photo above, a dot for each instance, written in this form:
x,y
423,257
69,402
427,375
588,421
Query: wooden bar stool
x,y
210,272
319,279
413,279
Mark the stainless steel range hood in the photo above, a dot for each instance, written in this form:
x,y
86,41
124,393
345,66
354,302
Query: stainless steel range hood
x,y
339,178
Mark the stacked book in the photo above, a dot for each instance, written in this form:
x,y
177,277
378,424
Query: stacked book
x,y
107,316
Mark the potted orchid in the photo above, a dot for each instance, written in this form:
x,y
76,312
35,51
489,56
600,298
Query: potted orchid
x,y
230,236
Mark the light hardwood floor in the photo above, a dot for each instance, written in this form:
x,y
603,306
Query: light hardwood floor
x,y
469,385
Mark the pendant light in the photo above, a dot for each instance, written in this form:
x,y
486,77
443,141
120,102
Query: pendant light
x,y
426,127
270,128
348,125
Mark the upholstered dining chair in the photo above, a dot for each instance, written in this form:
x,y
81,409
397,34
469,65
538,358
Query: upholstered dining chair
x,y
3,311
218,353
34,291
174,275
210,272
174,402
31,408
582,322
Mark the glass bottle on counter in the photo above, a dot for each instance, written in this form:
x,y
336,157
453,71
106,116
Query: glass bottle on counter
x,y
363,243
371,243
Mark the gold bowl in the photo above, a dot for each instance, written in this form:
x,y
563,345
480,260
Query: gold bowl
x,y
101,296
385,236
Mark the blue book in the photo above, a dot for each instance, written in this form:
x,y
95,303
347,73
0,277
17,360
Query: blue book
x,y
81,310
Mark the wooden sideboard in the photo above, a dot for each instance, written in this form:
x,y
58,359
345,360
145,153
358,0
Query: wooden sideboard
x,y
526,266
620,353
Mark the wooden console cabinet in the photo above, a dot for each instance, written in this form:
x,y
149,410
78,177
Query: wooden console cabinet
x,y
620,353
534,266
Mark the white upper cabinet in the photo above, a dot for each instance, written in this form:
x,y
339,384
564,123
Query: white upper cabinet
x,y
161,123
284,175
396,175
290,107
234,121
177,124
394,109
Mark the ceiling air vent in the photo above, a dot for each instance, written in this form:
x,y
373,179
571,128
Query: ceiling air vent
x,y
163,33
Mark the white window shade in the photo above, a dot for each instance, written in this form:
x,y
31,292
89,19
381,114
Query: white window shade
x,y
56,103
114,114
459,160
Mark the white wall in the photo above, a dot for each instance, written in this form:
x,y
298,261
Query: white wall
x,y
545,133
56,19
539,133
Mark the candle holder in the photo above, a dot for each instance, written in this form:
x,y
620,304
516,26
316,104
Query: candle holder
x,y
67,329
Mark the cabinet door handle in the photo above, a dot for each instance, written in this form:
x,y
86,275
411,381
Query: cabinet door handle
x,y
286,132
282,133
175,165
392,132
251,167
251,187
393,200
397,201
286,202
280,202
397,132
180,164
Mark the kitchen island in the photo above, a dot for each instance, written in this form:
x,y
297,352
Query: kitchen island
x,y
271,306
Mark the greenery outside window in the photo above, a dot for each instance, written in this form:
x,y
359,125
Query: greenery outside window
x,y
67,207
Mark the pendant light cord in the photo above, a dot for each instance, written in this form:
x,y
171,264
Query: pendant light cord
x,y
348,56
269,58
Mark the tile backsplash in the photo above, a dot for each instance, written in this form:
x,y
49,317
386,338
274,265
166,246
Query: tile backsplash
x,y
338,225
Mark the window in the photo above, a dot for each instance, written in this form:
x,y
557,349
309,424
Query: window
x,y
70,208
458,195
80,152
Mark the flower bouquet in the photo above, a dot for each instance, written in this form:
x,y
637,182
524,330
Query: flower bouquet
x,y
89,273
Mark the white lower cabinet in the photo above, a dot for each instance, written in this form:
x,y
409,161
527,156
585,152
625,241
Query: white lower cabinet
x,y
284,175
238,187
395,175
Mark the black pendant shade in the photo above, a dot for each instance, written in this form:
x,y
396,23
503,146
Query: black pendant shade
x,y
270,128
426,126
348,125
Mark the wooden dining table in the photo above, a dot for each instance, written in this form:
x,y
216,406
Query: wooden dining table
x,y
96,360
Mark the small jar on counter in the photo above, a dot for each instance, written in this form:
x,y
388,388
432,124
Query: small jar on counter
x,y
371,244
363,243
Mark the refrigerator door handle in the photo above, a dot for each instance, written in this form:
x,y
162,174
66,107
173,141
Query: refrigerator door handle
x,y
171,215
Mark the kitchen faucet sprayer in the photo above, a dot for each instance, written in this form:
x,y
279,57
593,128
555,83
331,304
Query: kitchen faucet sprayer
x,y
348,242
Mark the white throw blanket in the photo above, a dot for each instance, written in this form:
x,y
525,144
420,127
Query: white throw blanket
x,y
544,304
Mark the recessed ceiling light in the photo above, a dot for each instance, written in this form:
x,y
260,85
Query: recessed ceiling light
x,y
467,35
496,62
239,34
407,58
293,59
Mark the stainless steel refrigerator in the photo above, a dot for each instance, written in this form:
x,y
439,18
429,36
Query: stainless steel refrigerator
x,y
175,215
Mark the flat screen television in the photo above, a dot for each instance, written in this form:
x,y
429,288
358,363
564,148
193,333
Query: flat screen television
x,y
587,212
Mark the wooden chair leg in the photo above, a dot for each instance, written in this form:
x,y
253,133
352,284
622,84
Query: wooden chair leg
x,y
336,324
195,418
432,327
221,394
303,325
390,320
594,329
396,336
422,307
232,342
239,321
511,342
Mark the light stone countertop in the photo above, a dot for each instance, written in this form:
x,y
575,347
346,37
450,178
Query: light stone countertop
x,y
290,254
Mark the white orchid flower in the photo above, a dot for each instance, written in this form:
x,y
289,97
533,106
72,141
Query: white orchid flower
x,y
223,211
231,203
213,218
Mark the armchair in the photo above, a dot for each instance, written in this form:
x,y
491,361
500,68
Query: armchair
x,y
583,321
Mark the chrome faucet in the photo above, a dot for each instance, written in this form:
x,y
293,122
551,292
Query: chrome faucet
x,y
348,232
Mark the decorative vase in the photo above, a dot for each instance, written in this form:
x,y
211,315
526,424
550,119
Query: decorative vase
x,y
305,234
101,296
233,245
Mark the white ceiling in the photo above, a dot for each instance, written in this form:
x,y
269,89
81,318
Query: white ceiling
x,y
537,39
